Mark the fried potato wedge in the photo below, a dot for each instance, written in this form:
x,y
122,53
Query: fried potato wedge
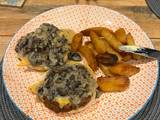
x,y
130,41
124,69
113,84
106,59
89,56
90,45
105,70
76,41
121,35
102,46
127,57
111,39
99,44
97,30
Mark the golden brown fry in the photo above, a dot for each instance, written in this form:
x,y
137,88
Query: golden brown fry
x,y
113,84
111,39
105,70
130,41
90,45
98,43
127,57
121,35
89,56
124,69
97,30
77,41
106,59
102,46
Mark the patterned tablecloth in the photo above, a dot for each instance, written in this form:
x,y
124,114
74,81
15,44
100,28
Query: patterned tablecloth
x,y
9,111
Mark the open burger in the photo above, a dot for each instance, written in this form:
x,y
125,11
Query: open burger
x,y
68,88
44,48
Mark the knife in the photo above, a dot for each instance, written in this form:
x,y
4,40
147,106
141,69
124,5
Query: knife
x,y
147,52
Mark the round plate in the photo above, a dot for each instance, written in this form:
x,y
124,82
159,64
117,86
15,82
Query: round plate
x,y
112,106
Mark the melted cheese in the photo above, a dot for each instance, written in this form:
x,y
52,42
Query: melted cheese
x,y
62,101
34,87
24,62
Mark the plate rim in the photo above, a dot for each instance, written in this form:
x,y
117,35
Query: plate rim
x,y
114,11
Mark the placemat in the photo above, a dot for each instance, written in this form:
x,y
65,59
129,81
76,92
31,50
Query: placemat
x,y
9,111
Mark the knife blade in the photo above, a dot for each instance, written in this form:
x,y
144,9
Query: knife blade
x,y
147,52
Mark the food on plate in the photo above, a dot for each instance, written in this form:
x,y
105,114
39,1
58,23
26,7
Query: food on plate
x,y
124,69
111,39
97,30
89,56
130,41
113,84
102,46
76,41
68,88
102,51
43,48
69,84
121,35
107,59
105,70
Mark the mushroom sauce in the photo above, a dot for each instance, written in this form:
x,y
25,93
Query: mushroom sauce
x,y
44,46
73,82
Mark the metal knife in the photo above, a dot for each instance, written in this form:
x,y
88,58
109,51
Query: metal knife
x,y
147,52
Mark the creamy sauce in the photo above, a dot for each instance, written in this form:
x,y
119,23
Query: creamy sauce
x,y
73,82
46,46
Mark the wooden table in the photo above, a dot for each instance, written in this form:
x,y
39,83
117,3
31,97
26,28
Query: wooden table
x,y
12,19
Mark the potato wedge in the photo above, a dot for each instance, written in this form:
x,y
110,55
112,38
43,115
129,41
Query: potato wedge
x,y
105,70
130,41
98,43
97,30
90,45
106,59
127,57
89,56
111,39
121,35
76,41
113,84
102,46
124,69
